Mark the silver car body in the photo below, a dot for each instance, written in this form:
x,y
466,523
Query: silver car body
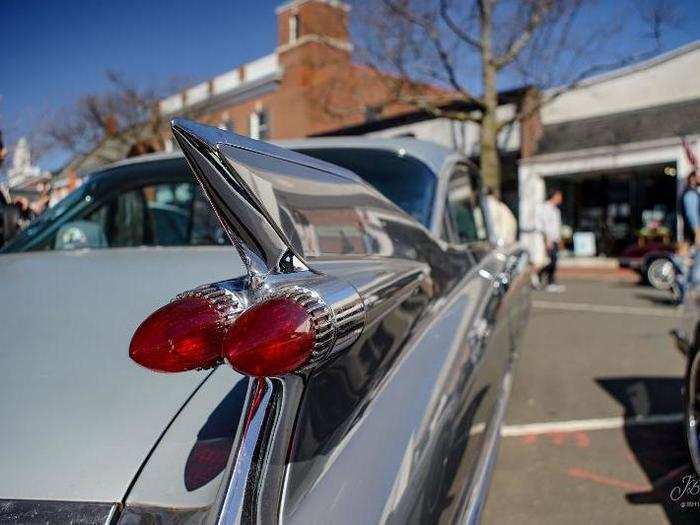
x,y
416,402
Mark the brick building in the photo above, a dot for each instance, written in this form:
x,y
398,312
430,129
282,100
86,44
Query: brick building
x,y
307,86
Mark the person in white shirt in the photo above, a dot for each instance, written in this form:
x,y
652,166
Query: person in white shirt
x,y
505,227
549,224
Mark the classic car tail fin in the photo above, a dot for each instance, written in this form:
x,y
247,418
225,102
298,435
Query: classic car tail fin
x,y
238,197
262,194
281,318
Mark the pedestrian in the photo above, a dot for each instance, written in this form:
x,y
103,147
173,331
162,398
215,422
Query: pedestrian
x,y
505,226
686,261
690,212
549,224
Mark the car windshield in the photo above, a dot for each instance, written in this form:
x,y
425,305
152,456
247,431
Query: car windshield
x,y
405,181
73,200
142,204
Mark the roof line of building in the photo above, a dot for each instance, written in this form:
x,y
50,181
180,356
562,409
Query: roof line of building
x,y
637,66
417,115
597,151
298,3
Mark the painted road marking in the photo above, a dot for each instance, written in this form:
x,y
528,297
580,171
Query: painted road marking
x,y
607,480
583,425
607,309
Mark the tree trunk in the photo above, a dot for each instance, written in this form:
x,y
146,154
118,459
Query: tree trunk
x,y
490,161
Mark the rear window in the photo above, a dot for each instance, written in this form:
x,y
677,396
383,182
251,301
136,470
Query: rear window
x,y
405,181
144,204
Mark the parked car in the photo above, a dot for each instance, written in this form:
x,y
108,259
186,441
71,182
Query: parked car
x,y
336,352
687,339
653,262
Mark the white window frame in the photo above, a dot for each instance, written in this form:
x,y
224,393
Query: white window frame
x,y
257,129
293,28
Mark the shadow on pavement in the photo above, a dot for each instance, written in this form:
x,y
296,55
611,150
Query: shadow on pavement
x,y
659,448
659,298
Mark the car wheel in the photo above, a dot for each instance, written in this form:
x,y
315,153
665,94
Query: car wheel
x,y
691,416
661,273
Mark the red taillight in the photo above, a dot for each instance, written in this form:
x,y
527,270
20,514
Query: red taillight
x,y
272,338
183,335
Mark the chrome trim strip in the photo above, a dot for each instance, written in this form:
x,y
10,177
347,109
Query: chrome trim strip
x,y
252,492
476,496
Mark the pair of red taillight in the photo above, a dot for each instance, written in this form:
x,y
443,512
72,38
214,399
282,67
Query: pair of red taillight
x,y
272,338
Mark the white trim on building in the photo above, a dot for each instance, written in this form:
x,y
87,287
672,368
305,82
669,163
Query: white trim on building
x,y
253,73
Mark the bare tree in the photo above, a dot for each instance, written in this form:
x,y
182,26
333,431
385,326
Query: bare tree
x,y
3,151
476,47
125,115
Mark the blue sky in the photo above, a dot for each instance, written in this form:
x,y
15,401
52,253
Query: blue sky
x,y
53,51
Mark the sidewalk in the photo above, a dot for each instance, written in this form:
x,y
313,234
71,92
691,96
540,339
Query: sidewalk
x,y
594,268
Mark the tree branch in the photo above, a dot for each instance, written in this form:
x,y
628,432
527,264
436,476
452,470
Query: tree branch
x,y
519,43
454,27
428,27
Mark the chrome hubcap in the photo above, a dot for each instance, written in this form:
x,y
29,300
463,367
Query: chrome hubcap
x,y
661,274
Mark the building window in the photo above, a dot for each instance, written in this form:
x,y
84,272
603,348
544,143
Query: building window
x,y
293,28
372,113
227,125
259,125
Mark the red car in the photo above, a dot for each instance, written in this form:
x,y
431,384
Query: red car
x,y
653,263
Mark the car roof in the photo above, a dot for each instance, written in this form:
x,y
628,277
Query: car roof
x,y
431,154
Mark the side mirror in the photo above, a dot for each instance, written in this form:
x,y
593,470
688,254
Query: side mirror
x,y
80,234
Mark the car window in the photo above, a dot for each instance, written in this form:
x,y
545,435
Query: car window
x,y
463,208
127,220
405,181
111,209
165,214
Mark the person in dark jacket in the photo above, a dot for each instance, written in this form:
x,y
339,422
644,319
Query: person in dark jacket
x,y
688,268
690,210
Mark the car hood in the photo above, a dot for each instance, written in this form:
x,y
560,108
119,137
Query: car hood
x,y
78,416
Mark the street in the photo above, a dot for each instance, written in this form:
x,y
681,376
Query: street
x,y
593,431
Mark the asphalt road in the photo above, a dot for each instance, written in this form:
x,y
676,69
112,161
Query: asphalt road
x,y
592,433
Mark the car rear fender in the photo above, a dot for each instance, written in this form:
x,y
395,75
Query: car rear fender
x,y
299,222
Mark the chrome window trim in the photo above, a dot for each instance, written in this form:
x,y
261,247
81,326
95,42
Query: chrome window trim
x,y
438,220
475,498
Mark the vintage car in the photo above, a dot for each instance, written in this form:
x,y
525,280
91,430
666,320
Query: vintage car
x,y
322,350
653,261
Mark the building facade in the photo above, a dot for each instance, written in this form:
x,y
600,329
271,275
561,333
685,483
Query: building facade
x,y
614,146
307,86
515,142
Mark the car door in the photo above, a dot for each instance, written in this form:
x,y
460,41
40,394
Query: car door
x,y
489,341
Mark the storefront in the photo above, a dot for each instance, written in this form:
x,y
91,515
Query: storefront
x,y
615,148
619,207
